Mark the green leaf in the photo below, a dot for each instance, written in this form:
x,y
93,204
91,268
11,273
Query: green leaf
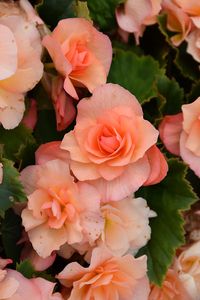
x,y
102,12
25,268
168,199
172,93
138,74
52,11
10,234
17,144
11,189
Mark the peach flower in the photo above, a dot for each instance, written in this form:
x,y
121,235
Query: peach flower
x,y
172,289
126,225
180,134
50,151
59,210
80,53
135,15
14,286
109,142
177,21
188,266
170,130
63,104
107,278
20,65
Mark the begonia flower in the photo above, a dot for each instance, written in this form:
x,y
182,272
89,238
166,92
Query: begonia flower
x,y
80,53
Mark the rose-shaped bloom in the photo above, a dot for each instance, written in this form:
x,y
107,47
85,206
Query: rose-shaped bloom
x,y
177,21
63,105
14,286
108,144
126,225
188,266
135,15
172,289
20,65
59,210
80,53
107,278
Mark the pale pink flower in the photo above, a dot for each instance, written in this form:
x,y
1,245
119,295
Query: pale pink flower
x,y
172,289
14,286
134,16
20,65
188,266
177,21
108,277
50,151
170,130
109,142
80,53
126,225
63,104
59,210
30,118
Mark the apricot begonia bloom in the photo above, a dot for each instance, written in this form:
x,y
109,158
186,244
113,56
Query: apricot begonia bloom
x,y
63,104
59,210
170,130
188,266
135,15
20,65
126,225
80,53
14,286
172,289
107,278
177,21
108,144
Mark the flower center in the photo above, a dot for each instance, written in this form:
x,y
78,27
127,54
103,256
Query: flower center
x,y
60,208
109,141
78,55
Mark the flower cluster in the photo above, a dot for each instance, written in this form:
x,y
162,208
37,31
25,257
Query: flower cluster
x,y
87,185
